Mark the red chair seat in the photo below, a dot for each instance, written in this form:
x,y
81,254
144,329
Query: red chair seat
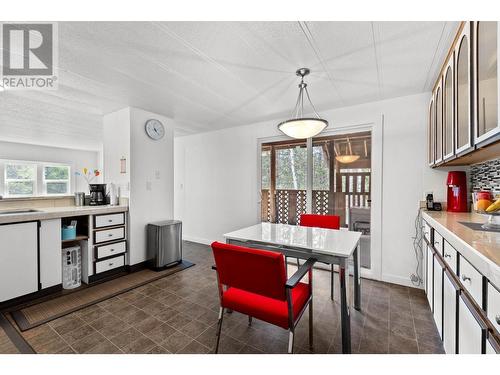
x,y
270,310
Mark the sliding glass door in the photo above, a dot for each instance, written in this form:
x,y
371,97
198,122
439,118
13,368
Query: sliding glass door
x,y
340,185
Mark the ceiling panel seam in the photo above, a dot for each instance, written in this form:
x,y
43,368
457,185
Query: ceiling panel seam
x,y
375,36
433,61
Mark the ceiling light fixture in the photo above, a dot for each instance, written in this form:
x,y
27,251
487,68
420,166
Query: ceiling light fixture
x,y
347,157
303,127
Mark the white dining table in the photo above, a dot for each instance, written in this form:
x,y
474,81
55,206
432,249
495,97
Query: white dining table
x,y
325,245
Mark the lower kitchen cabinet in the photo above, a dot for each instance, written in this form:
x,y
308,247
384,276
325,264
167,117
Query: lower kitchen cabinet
x,y
18,260
438,295
471,328
493,306
50,253
451,292
429,275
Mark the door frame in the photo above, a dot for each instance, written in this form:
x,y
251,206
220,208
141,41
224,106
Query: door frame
x,y
377,129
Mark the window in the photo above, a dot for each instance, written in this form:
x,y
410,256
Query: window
x,y
266,169
20,179
291,168
56,179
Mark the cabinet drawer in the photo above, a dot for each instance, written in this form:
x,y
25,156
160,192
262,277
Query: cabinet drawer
x,y
109,264
472,280
109,220
438,242
450,257
471,328
109,235
104,251
493,306
427,232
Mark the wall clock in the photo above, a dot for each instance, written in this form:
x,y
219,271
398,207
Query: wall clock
x,y
154,129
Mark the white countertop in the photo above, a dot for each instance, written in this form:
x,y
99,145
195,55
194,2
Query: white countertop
x,y
324,241
58,212
480,248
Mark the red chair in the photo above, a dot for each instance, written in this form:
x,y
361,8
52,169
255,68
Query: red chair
x,y
322,221
253,282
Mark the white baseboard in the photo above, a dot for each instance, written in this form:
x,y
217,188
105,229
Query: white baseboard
x,y
197,240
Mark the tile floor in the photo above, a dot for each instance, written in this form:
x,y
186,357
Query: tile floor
x,y
178,314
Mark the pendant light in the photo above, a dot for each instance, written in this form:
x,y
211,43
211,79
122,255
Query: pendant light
x,y
347,157
303,127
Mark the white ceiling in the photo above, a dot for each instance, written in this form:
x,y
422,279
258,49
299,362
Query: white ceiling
x,y
212,75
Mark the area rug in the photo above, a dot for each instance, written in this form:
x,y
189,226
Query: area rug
x,y
43,312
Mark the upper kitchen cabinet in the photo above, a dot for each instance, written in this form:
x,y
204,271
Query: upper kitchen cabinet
x,y
449,110
463,133
438,130
430,134
485,72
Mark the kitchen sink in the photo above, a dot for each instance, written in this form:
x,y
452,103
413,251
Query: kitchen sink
x,y
18,211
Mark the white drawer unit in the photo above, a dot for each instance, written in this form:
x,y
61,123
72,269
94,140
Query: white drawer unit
x,y
109,264
438,295
429,275
450,257
493,306
471,328
472,280
104,251
438,242
427,232
106,235
109,220
451,292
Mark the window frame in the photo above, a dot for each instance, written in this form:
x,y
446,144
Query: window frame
x,y
44,180
6,180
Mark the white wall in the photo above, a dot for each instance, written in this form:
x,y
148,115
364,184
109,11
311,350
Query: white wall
x,y
149,171
216,178
77,159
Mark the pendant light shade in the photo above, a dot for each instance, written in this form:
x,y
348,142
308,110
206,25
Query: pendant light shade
x,y
298,126
348,157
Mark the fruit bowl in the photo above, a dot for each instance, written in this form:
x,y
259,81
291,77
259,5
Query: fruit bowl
x,y
493,222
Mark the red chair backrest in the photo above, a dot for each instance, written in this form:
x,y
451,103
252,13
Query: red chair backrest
x,y
320,221
257,271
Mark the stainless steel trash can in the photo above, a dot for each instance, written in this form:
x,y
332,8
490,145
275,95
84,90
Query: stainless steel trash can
x,y
164,243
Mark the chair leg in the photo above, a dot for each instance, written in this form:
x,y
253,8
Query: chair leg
x,y
298,263
249,320
219,328
332,284
311,324
291,335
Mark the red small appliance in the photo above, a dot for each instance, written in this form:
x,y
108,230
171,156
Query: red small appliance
x,y
457,192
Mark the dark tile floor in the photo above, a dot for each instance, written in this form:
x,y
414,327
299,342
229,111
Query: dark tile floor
x,y
178,314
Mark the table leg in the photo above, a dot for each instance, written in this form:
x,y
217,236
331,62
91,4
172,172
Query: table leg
x,y
344,306
357,278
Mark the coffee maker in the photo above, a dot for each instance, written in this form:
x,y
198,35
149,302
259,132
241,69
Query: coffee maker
x,y
457,192
97,194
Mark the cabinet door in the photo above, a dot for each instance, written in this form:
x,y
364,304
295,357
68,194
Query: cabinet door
x,y
429,275
50,253
451,291
449,110
439,123
493,306
463,133
18,260
438,295
486,102
430,136
471,329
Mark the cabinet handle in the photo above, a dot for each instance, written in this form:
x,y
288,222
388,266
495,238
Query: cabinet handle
x,y
447,255
110,234
436,243
111,249
465,278
110,264
497,318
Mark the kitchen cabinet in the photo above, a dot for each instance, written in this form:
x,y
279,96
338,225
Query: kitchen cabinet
x,y
438,294
451,292
439,123
449,110
471,327
431,147
450,256
472,280
485,77
493,306
18,260
429,275
463,81
50,253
